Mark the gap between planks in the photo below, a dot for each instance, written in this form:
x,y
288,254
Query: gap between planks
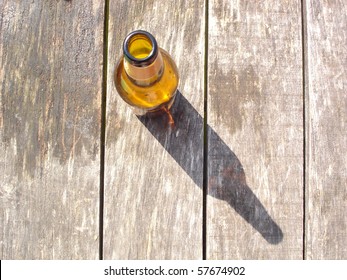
x,y
304,78
103,131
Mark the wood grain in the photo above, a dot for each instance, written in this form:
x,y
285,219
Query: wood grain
x,y
326,137
51,77
153,173
255,134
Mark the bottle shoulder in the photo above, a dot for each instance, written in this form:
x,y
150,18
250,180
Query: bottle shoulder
x,y
152,95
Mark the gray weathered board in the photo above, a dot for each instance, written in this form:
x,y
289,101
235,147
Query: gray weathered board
x,y
153,173
276,132
255,133
50,84
326,129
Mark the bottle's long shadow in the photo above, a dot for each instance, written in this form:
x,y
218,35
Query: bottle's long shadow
x,y
226,177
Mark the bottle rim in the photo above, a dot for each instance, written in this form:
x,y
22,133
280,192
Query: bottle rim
x,y
140,62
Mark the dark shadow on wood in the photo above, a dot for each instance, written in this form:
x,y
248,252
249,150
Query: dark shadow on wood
x,y
227,180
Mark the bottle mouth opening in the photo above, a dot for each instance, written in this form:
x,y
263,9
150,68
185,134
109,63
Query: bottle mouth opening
x,y
140,48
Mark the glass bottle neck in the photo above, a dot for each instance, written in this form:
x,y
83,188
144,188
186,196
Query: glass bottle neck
x,y
143,61
145,75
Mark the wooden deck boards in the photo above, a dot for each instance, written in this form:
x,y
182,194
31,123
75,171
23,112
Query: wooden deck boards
x,y
153,188
326,130
50,84
255,136
275,133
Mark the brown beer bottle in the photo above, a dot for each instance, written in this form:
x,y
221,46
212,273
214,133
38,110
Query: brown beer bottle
x,y
146,77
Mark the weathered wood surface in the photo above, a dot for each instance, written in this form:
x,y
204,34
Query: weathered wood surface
x,y
50,100
255,136
326,129
153,174
50,84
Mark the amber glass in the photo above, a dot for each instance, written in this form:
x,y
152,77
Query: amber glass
x,y
146,77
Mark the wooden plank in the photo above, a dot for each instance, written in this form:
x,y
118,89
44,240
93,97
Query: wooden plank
x,y
153,174
255,138
51,78
326,122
